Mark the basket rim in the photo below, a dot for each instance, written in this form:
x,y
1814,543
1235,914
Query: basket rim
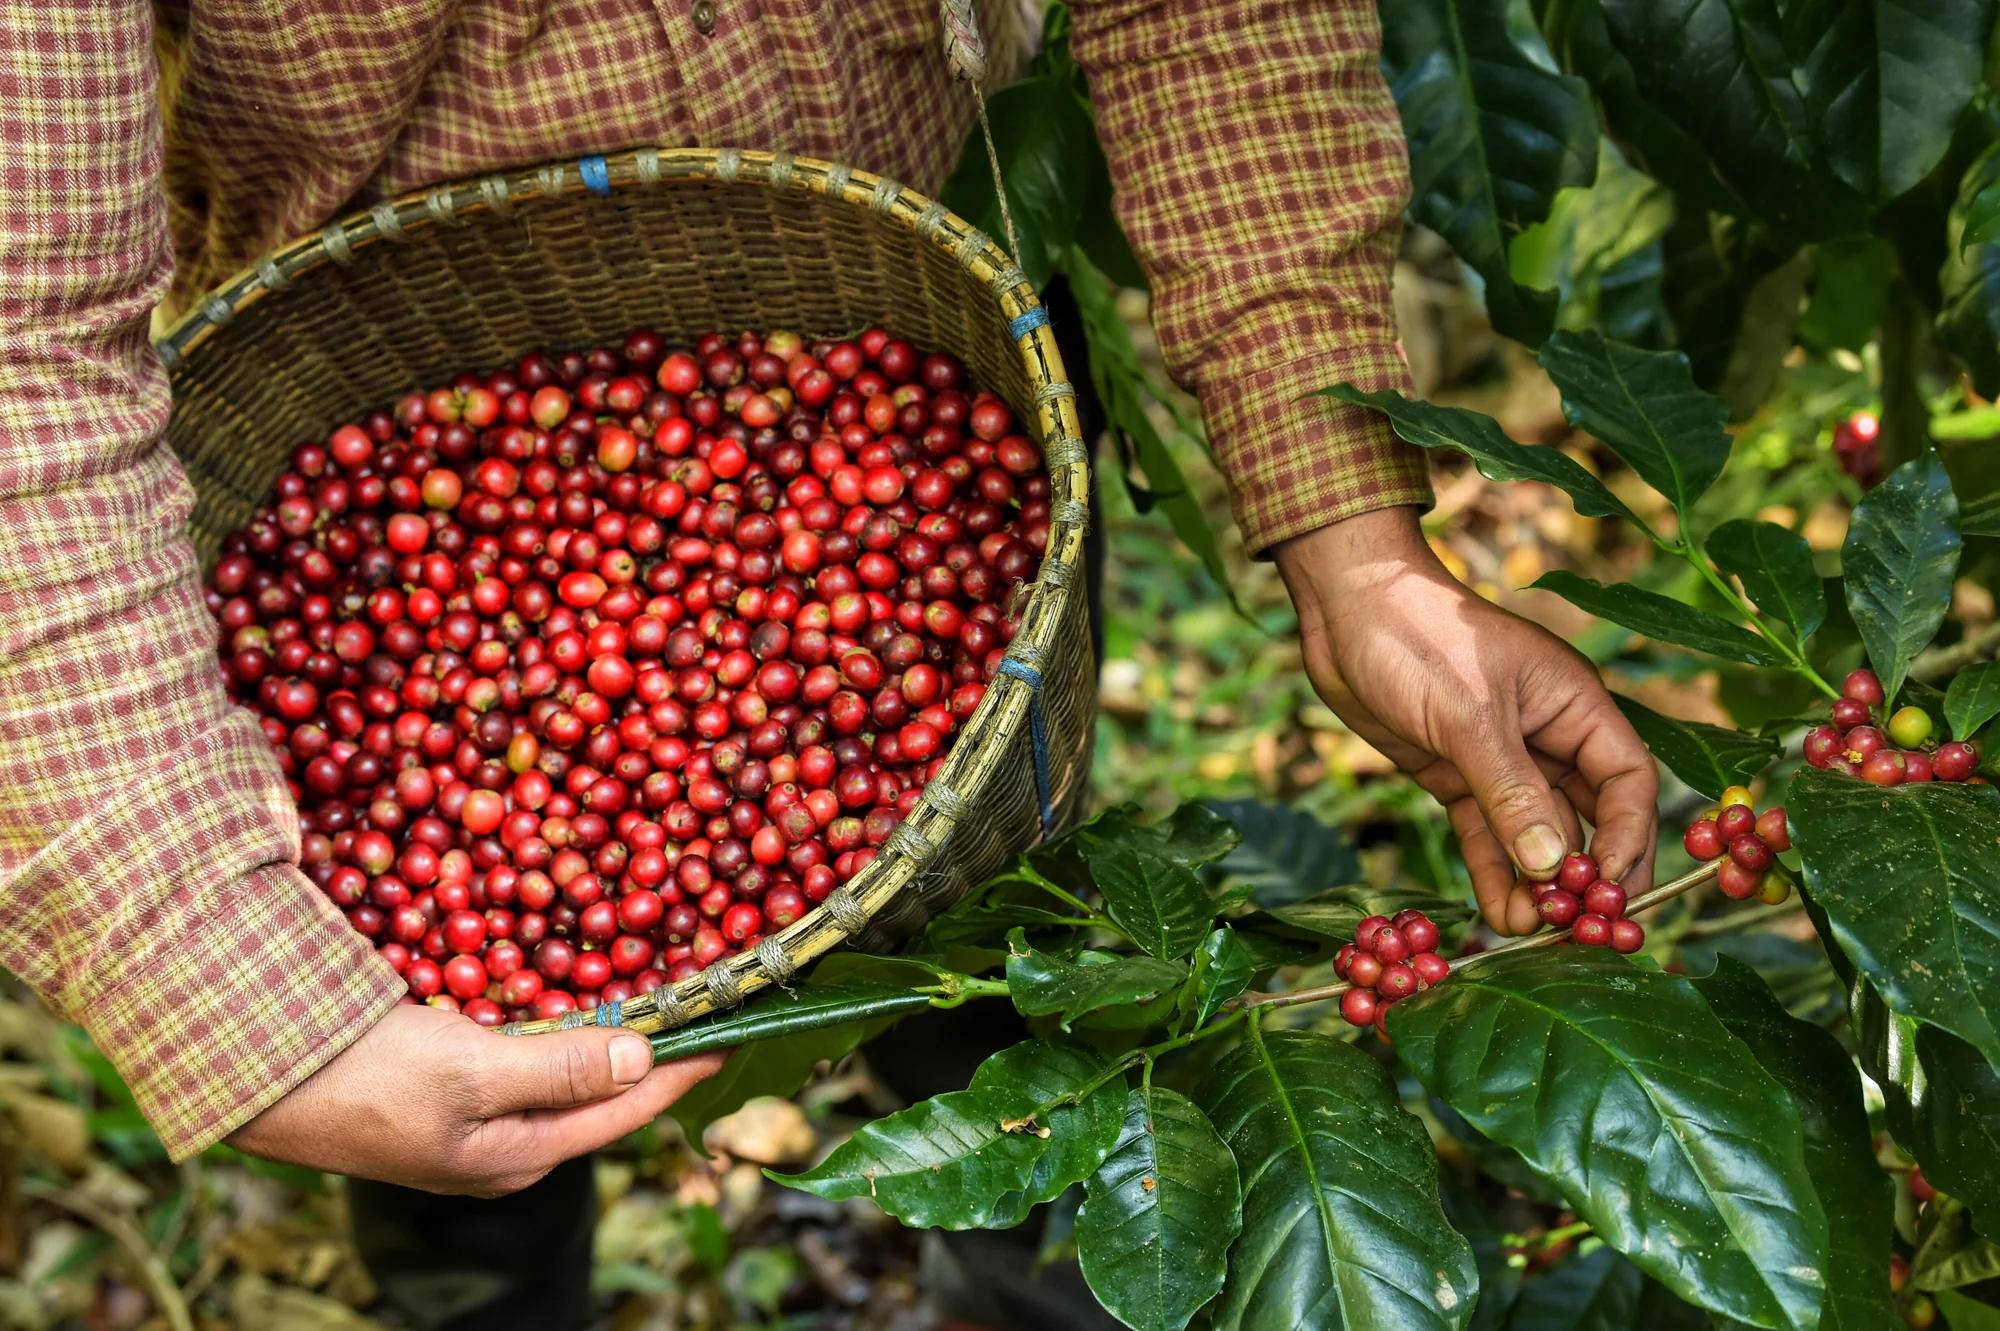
x,y
1012,697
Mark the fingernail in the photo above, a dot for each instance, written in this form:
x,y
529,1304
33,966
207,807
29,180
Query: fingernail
x,y
631,1059
1539,849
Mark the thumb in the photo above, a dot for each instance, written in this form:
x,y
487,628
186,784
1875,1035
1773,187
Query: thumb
x,y
1516,802
561,1069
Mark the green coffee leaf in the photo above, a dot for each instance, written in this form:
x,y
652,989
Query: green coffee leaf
x,y
1661,618
1979,199
1336,914
1910,883
1493,132
1965,1314
1654,1122
1042,984
1159,902
1497,457
1710,759
1898,562
1125,390
1285,854
1973,698
1940,1096
1341,1222
1776,567
954,1161
1643,406
1968,321
1154,1232
780,1012
1723,74
1594,1291
1192,835
1226,968
1042,132
1976,1261
1493,1248
1080,1134
1840,1150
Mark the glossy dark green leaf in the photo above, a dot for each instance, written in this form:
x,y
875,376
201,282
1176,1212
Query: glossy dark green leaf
x,y
1194,834
1644,407
1043,132
1081,1134
1594,1291
1660,617
1042,984
1973,698
1909,879
1154,1232
1226,967
1159,902
1940,1096
1978,1260
1125,390
1618,1085
1285,854
772,1066
1840,1150
1884,82
1851,279
790,1011
1898,562
1341,1221
1337,913
1493,134
1967,1314
1492,1251
955,1161
1979,199
1719,69
1776,566
1497,457
1974,468
1710,759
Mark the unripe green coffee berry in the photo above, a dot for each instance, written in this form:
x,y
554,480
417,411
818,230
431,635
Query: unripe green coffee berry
x,y
1910,726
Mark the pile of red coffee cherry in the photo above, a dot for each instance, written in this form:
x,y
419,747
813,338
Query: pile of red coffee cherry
x,y
1589,905
1888,755
1751,840
594,670
1388,959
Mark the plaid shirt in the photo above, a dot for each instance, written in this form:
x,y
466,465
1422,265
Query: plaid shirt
x,y
148,849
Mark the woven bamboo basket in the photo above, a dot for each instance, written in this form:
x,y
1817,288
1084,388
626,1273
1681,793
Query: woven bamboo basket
x,y
684,241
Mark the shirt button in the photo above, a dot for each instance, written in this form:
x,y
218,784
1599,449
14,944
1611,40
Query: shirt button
x,y
703,14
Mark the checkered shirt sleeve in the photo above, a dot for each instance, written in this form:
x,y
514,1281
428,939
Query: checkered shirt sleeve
x,y
1260,173
148,844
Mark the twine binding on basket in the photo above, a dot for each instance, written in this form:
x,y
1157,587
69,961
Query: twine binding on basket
x,y
1038,736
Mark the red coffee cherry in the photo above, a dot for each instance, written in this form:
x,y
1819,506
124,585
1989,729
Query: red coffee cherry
x,y
1773,830
1592,931
1578,872
1864,687
1750,853
1358,1007
1559,909
1627,936
1605,898
1704,840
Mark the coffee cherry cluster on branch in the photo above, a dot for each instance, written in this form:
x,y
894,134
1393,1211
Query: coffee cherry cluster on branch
x,y
1388,959
595,670
1589,905
1750,840
1892,754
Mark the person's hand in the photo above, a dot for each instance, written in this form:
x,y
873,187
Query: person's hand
x,y
1508,726
432,1100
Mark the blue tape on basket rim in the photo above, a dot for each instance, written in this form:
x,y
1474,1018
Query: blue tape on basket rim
x,y
1037,736
610,1014
596,176
1022,325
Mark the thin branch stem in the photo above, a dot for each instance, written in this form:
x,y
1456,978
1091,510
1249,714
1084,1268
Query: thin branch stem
x,y
1646,901
1800,666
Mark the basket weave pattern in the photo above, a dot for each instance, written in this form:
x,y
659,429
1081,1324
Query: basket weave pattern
x,y
683,241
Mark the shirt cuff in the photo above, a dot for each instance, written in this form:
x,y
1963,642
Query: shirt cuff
x,y
1296,464
171,924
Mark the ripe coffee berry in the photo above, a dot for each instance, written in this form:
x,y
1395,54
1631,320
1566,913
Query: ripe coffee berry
x,y
541,652
1863,687
1578,872
1591,931
1704,840
1605,898
1388,960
